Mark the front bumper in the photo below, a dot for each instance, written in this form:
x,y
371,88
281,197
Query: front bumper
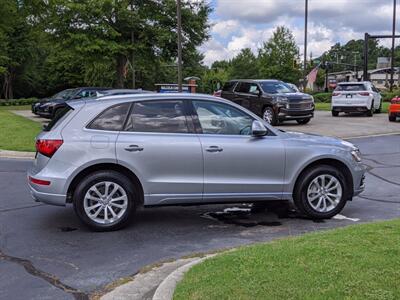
x,y
294,114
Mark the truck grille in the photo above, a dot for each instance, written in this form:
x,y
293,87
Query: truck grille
x,y
300,105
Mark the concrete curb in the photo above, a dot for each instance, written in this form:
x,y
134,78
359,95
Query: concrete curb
x,y
166,289
16,154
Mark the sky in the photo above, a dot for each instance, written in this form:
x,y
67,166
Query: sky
x,y
238,24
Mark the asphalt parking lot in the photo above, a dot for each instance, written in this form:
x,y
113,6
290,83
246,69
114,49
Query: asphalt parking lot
x,y
45,253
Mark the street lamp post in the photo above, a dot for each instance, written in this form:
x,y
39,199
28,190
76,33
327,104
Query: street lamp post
x,y
179,31
393,37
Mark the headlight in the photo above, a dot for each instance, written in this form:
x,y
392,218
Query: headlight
x,y
356,155
282,100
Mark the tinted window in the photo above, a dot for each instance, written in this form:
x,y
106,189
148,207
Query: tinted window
x,y
351,87
158,116
220,118
112,118
228,86
61,114
276,87
244,87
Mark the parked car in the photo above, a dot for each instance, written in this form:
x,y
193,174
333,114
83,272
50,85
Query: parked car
x,y
109,157
123,92
51,107
273,100
217,93
394,109
64,94
356,97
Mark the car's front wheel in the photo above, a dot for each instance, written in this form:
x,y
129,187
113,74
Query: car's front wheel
x,y
392,118
321,192
105,200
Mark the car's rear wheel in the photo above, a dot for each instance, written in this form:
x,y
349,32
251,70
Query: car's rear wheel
x,y
370,112
303,121
392,118
335,113
379,110
269,116
105,200
321,192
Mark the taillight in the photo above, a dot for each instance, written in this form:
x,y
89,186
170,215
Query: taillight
x,y
335,94
39,181
48,147
364,94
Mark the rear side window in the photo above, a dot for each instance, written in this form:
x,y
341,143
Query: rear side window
x,y
244,87
228,86
158,116
111,119
351,87
61,115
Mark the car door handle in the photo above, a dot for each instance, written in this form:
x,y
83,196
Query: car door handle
x,y
133,148
214,149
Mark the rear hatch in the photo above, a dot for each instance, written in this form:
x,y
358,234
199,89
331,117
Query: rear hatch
x,y
350,94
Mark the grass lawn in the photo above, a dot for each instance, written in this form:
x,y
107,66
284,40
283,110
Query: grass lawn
x,y
356,262
327,106
16,132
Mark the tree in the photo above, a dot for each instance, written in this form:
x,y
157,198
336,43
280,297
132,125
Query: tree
x,y
278,56
244,65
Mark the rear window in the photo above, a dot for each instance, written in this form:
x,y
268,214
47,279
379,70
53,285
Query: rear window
x,y
351,87
61,115
111,119
228,86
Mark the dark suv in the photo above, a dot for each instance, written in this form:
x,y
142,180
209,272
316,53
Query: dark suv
x,y
274,100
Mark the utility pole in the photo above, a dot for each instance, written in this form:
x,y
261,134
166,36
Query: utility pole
x,y
305,44
393,37
179,21
133,51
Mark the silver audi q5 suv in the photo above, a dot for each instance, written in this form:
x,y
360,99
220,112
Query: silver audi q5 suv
x,y
108,157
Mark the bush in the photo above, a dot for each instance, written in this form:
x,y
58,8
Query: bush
x,y
387,95
18,102
323,97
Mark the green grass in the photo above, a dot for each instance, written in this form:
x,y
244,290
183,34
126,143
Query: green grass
x,y
356,262
327,106
17,133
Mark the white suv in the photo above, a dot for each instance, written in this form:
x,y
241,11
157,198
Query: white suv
x,y
356,97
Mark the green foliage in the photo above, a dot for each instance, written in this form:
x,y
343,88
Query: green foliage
x,y
213,80
387,95
18,102
244,65
322,97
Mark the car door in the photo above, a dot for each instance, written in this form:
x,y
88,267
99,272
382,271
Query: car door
x,y
255,99
160,147
236,165
242,94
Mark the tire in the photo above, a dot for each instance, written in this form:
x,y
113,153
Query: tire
x,y
392,118
370,112
379,110
270,116
124,208
303,121
335,113
306,185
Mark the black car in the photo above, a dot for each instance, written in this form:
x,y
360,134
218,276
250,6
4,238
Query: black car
x,y
48,108
273,100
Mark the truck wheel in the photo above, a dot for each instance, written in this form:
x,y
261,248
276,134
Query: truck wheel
x,y
270,116
335,113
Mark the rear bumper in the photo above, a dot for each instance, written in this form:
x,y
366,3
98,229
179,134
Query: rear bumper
x,y
53,199
394,110
350,108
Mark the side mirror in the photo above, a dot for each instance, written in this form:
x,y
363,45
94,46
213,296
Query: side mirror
x,y
258,129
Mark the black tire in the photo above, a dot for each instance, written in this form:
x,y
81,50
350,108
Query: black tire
x,y
274,120
129,187
303,121
335,113
379,110
300,192
392,118
370,112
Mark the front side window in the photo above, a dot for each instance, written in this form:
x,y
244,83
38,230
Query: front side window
x,y
221,118
158,116
112,118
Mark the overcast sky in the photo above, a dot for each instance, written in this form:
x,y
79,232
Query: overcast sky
x,y
237,24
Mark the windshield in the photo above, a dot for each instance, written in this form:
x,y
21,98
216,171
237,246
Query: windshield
x,y
65,94
350,87
276,87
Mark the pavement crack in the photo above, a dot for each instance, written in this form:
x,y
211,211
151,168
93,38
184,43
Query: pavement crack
x,y
51,279
381,163
383,178
377,200
20,207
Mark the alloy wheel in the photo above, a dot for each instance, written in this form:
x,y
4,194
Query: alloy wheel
x,y
324,193
105,202
268,116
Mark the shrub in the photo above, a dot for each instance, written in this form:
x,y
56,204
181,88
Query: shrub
x,y
323,97
18,102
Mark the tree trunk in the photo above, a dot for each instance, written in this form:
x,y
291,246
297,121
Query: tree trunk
x,y
121,71
7,86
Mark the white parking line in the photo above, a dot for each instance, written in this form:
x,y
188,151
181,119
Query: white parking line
x,y
341,217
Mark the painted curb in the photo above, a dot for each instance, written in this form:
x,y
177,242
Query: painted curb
x,y
166,289
17,154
